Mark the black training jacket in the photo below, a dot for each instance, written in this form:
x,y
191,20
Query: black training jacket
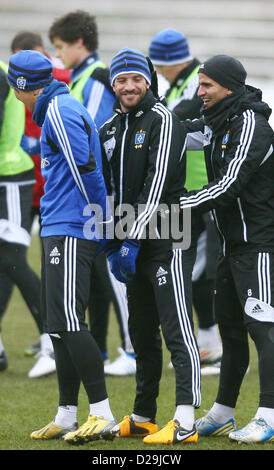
x,y
240,166
143,161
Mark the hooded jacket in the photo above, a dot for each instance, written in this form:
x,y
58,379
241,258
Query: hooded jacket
x,y
238,144
71,165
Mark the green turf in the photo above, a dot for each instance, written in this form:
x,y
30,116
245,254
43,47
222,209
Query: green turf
x,y
28,404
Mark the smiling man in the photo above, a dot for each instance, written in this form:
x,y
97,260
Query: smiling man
x,y
130,89
144,166
238,144
210,91
71,161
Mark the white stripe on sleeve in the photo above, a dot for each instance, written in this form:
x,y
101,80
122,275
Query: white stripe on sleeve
x,y
160,172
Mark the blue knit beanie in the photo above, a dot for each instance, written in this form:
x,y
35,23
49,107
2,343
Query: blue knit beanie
x,y
29,70
169,47
129,61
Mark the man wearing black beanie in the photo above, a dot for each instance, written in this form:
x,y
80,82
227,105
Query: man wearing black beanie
x,y
238,144
226,71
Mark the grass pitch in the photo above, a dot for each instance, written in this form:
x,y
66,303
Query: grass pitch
x,y
28,404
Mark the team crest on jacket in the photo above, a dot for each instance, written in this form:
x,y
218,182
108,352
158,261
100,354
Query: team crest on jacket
x,y
139,139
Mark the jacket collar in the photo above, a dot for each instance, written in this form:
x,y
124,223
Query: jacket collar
x,y
79,69
185,73
41,106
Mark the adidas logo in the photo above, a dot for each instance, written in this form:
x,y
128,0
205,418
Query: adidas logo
x,y
161,272
55,252
257,309
44,162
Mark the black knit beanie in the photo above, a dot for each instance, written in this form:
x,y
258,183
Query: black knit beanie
x,y
225,70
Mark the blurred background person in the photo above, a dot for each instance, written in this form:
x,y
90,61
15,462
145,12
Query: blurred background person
x,y
16,191
170,53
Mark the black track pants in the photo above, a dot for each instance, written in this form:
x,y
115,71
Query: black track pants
x,y
160,297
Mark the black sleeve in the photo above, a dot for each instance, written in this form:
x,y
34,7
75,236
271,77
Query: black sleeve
x,y
251,142
188,109
103,76
4,91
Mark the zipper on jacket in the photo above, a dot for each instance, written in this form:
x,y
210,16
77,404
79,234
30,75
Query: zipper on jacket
x,y
213,211
122,165
211,155
218,228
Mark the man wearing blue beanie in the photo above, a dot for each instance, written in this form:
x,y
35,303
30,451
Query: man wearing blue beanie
x,y
144,168
170,54
71,162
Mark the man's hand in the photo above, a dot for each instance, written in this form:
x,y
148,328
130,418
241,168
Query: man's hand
x,y
127,257
31,145
111,249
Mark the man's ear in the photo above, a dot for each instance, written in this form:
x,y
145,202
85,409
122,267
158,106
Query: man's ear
x,y
79,42
37,92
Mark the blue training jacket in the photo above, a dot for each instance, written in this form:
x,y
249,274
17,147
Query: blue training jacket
x,y
97,97
71,165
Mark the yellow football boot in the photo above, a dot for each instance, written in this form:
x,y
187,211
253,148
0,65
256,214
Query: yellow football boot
x,y
52,431
94,428
172,433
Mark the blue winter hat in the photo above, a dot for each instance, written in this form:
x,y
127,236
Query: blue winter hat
x,y
129,61
169,47
29,70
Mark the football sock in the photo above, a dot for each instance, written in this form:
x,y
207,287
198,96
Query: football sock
x,y
267,414
46,343
1,345
66,416
140,419
209,338
101,408
185,415
221,413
